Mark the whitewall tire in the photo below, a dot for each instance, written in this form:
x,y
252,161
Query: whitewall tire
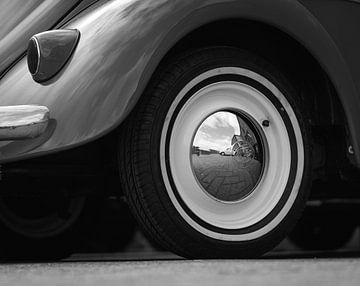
x,y
167,194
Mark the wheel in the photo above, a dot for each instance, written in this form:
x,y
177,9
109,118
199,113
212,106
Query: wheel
x,y
323,230
40,223
210,206
222,154
112,229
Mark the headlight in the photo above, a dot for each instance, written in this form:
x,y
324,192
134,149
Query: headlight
x,y
48,52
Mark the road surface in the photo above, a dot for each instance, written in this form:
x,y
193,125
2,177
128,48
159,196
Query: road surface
x,y
277,272
227,178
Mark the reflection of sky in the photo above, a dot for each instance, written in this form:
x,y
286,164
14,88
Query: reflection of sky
x,y
216,131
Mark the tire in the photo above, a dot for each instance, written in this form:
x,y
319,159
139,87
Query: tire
x,y
222,154
323,230
158,179
40,224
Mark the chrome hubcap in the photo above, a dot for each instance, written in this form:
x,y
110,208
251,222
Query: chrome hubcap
x,y
227,156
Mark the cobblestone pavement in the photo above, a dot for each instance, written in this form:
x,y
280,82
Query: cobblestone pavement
x,y
227,178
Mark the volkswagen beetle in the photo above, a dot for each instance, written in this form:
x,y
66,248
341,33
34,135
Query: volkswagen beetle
x,y
109,97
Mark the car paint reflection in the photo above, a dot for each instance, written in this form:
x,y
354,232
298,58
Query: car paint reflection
x,y
19,20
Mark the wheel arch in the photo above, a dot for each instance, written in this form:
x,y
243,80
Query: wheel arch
x,y
329,90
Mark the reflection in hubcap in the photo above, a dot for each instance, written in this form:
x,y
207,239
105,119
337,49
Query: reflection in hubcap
x,y
227,156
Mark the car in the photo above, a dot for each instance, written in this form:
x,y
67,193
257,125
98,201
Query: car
x,y
104,98
227,152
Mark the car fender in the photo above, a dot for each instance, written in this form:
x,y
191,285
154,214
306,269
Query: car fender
x,y
121,45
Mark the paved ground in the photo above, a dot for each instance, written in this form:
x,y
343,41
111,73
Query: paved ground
x,y
226,177
181,272
141,264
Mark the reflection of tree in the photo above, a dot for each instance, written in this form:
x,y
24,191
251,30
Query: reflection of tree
x,y
196,150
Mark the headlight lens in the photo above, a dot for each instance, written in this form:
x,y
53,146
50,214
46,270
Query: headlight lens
x,y
33,56
48,52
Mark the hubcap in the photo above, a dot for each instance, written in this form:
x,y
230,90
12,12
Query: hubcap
x,y
232,177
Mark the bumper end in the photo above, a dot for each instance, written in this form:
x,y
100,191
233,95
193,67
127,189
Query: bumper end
x,y
20,122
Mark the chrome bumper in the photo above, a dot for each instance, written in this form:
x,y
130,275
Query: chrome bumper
x,y
21,122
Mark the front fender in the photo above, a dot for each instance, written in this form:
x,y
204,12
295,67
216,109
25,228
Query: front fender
x,y
122,43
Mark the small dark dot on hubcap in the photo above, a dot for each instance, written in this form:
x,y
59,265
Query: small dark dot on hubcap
x,y
266,123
